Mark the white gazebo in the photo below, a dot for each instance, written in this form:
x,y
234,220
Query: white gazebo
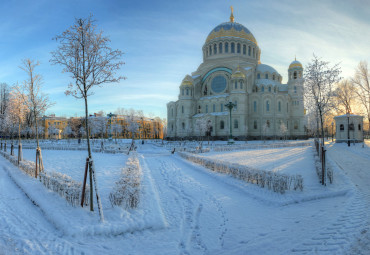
x,y
349,127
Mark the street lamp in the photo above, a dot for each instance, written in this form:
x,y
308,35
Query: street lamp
x,y
348,114
230,106
110,115
332,133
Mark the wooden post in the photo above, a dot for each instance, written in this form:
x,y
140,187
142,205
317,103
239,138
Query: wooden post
x,y
36,163
84,183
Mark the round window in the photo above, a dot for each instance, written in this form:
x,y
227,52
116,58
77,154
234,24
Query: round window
x,y
218,84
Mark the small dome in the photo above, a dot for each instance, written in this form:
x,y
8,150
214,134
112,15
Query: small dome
x,y
295,63
187,81
238,74
266,68
231,29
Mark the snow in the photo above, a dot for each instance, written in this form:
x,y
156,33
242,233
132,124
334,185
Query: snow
x,y
215,96
188,209
265,68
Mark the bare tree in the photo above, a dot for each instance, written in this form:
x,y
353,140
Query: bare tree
x,y
36,101
85,53
344,96
17,110
319,80
362,81
4,97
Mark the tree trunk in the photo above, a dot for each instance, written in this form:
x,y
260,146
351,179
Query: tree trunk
x,y
89,153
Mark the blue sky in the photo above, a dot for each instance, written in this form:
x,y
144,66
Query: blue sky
x,y
162,42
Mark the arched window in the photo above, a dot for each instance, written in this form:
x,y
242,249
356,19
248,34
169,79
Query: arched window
x,y
295,75
183,126
279,106
270,89
268,123
295,124
206,108
359,127
263,89
187,92
220,48
210,50
182,92
214,49
351,127
236,124
199,109
341,127
295,89
226,47
258,76
182,109
238,48
267,106
241,84
214,107
266,76
222,124
222,107
273,77
172,112
249,50
255,124
255,106
236,105
232,47
235,84
244,49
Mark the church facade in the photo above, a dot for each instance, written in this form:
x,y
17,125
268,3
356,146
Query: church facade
x,y
232,72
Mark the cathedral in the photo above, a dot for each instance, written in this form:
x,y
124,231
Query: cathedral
x,y
232,81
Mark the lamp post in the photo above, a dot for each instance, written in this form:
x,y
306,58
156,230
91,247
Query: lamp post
x,y
230,106
348,142
110,115
332,133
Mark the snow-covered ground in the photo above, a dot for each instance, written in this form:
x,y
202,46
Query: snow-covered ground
x,y
204,212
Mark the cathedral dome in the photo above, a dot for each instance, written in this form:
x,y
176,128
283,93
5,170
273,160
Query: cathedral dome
x,y
295,63
231,29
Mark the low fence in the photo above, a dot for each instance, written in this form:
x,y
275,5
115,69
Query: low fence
x,y
265,179
126,192
62,184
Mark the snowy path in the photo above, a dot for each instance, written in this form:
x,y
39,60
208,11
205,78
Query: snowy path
x,y
355,163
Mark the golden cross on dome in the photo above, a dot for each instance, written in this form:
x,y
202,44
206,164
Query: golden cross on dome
x,y
232,15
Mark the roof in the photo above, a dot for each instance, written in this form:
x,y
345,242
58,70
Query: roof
x,y
266,68
351,115
231,29
295,63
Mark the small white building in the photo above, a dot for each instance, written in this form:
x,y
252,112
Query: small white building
x,y
349,127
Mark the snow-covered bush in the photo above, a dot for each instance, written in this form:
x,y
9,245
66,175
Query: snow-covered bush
x,y
66,187
265,179
126,192
62,184
259,146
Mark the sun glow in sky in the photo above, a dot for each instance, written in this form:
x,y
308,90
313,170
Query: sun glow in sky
x,y
162,42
